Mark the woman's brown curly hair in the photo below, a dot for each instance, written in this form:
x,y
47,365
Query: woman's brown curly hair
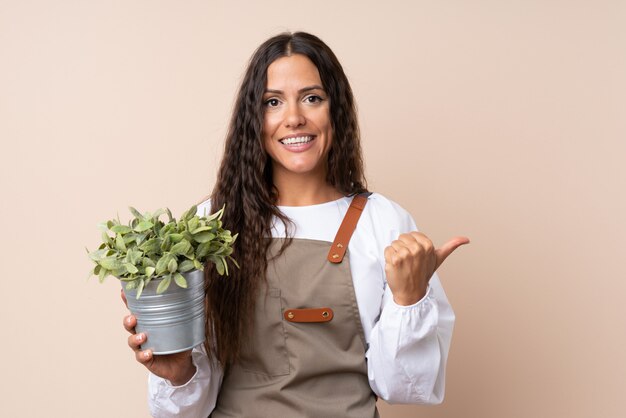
x,y
244,184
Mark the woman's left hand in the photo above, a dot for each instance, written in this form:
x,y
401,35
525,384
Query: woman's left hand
x,y
410,262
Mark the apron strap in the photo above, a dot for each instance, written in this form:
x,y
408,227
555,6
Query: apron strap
x,y
348,225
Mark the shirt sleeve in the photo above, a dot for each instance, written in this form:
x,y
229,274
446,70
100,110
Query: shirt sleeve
x,y
409,345
196,398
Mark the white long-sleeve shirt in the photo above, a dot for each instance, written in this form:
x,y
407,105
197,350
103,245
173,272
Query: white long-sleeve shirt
x,y
407,345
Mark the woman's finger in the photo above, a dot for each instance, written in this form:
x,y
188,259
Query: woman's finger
x,y
135,341
446,249
402,250
129,323
422,240
414,236
144,357
390,254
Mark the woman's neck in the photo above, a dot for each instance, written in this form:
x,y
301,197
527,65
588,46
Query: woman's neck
x,y
303,190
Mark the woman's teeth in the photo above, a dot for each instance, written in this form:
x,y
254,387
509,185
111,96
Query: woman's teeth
x,y
296,140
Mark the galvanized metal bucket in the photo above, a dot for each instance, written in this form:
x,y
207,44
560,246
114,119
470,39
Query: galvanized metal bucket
x,y
174,320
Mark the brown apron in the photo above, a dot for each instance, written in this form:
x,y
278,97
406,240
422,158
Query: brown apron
x,y
306,357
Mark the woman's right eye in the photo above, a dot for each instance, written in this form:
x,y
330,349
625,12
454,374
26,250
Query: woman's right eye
x,y
271,102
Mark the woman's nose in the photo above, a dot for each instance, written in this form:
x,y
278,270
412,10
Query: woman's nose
x,y
294,117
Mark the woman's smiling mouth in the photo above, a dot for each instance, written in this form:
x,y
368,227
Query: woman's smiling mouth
x,y
297,143
297,140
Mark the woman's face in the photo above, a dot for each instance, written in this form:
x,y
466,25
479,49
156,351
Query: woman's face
x,y
297,131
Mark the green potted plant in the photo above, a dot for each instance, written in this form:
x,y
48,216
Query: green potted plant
x,y
160,265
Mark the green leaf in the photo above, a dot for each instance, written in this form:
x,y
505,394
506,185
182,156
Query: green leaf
x,y
204,237
110,263
106,238
150,271
143,226
176,237
190,213
119,243
158,213
161,266
219,265
186,266
134,256
135,212
131,268
140,287
201,229
139,238
102,274
169,214
203,250
172,266
216,215
150,246
198,265
147,262
167,229
121,229
234,262
133,236
132,284
92,272
188,236
181,248
166,244
193,223
225,265
165,283
98,254
180,280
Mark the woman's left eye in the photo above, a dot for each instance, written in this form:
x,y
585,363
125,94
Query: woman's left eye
x,y
313,99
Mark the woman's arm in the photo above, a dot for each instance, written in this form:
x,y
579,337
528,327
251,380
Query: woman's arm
x,y
409,347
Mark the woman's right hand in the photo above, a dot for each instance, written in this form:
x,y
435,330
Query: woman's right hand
x,y
177,368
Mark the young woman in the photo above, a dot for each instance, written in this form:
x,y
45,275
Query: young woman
x,y
336,301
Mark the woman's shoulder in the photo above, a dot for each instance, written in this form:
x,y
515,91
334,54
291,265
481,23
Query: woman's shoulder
x,y
383,205
385,212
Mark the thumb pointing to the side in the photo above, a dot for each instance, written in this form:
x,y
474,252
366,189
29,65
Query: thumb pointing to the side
x,y
446,249
124,298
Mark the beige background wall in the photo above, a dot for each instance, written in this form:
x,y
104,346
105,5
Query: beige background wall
x,y
501,120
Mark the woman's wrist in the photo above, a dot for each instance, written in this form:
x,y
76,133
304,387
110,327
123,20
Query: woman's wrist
x,y
185,376
407,299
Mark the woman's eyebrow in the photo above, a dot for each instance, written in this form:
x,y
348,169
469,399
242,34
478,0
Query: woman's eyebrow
x,y
302,90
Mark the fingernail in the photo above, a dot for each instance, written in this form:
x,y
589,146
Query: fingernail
x,y
139,337
146,354
128,320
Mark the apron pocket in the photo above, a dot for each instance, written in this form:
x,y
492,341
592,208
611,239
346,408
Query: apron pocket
x,y
266,352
